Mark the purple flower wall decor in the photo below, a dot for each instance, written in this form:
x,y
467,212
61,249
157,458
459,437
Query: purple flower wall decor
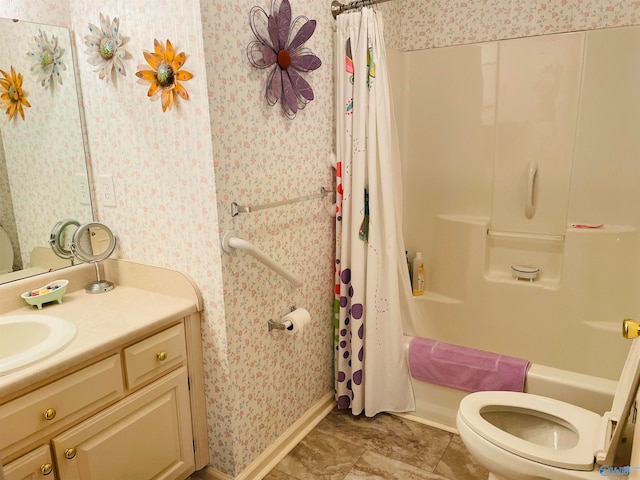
x,y
279,43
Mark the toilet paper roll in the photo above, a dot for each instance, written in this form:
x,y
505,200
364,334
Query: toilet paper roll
x,y
297,320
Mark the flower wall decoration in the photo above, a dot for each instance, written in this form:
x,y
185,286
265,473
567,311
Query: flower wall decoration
x,y
279,43
106,47
12,93
165,75
47,63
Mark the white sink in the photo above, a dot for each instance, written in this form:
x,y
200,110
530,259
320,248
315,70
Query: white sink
x,y
25,339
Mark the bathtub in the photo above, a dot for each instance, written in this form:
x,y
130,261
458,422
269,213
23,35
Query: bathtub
x,y
437,405
567,322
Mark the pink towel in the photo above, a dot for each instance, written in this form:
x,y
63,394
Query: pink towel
x,y
465,368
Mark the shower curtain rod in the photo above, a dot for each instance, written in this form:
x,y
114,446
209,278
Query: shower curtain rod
x,y
337,8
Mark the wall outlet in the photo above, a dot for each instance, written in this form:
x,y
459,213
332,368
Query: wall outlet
x,y
106,191
82,188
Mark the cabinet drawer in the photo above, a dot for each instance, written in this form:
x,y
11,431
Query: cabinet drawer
x,y
62,401
32,466
155,355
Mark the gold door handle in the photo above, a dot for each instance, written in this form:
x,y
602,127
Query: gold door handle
x,y
162,356
46,468
630,328
70,453
49,414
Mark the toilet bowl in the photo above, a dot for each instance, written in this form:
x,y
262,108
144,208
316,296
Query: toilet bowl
x,y
521,436
6,253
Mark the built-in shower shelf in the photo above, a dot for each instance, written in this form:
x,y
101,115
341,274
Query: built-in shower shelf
x,y
507,277
437,298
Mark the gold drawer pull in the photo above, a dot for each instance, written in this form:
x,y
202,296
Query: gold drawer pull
x,y
70,453
49,414
162,356
46,468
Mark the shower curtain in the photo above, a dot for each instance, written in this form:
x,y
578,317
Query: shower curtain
x,y
372,284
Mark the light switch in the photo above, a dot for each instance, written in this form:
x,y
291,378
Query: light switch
x,y
82,188
106,190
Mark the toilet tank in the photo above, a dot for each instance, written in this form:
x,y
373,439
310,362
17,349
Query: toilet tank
x,y
6,253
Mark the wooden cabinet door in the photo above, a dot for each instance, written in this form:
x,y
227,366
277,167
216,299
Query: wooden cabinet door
x,y
145,436
35,465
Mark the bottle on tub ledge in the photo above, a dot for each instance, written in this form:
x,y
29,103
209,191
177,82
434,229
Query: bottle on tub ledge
x,y
417,279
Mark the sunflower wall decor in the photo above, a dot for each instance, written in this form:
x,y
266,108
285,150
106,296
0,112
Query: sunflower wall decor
x,y
12,94
279,43
106,48
47,63
165,76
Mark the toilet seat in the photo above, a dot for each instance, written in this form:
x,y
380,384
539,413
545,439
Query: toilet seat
x,y
509,456
584,423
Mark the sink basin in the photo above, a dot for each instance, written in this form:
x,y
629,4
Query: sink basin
x,y
25,339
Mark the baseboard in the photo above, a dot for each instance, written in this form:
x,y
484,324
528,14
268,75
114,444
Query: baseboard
x,y
424,421
280,448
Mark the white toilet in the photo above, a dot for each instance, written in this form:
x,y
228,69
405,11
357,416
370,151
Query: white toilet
x,y
521,436
6,253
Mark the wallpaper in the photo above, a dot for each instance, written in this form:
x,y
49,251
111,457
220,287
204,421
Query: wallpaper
x,y
176,174
418,24
262,157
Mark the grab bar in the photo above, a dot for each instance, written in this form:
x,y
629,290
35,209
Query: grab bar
x,y
230,242
530,208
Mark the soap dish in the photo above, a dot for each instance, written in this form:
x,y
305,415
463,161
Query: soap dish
x,y
52,292
525,273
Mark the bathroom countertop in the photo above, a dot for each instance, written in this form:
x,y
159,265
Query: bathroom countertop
x,y
104,321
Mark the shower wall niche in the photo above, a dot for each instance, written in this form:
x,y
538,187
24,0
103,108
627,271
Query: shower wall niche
x,y
532,138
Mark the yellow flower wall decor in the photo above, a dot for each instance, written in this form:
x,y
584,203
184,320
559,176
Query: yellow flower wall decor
x,y
165,76
12,93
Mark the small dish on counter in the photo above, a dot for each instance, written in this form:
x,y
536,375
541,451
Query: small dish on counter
x,y
52,292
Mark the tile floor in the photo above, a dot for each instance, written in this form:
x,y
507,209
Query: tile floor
x,y
344,447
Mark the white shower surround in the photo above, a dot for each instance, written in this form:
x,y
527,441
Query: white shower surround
x,y
469,135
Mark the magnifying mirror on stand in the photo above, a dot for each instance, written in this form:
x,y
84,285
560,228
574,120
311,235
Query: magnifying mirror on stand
x,y
61,237
94,242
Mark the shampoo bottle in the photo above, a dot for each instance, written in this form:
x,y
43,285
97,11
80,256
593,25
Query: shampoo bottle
x,y
418,275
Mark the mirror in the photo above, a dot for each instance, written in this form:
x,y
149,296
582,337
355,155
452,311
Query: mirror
x,y
43,167
61,238
94,242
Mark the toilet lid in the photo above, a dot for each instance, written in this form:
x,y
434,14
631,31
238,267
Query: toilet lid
x,y
584,423
6,252
615,421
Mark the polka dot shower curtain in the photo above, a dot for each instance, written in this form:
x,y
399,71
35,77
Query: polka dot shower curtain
x,y
371,271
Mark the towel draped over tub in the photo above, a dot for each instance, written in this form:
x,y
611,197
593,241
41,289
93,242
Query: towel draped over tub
x,y
465,368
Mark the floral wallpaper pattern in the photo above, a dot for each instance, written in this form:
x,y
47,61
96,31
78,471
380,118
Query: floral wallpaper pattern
x,y
261,156
177,173
418,24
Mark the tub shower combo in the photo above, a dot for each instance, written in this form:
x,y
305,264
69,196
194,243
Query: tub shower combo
x,y
519,165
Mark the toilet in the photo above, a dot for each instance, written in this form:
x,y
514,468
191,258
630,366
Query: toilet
x,y
522,436
6,253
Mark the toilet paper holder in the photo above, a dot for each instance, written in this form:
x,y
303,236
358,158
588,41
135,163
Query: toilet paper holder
x,y
272,324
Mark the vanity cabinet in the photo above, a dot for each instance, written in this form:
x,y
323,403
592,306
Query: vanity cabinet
x,y
131,415
32,466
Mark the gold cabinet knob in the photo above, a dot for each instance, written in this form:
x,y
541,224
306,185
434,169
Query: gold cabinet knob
x,y
630,328
162,356
46,468
49,414
70,453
